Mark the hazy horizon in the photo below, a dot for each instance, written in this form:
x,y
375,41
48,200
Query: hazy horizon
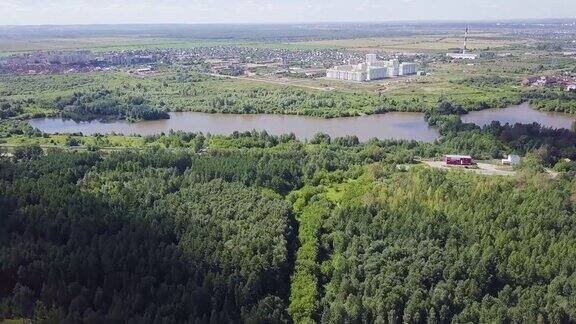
x,y
383,22
132,12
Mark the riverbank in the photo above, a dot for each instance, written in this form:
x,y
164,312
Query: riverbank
x,y
394,125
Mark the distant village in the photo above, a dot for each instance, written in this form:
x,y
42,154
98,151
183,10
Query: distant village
x,y
226,60
234,61
219,60
230,60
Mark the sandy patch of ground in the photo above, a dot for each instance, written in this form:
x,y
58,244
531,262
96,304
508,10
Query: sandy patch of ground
x,y
480,168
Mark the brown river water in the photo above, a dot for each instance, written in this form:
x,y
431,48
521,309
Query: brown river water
x,y
395,125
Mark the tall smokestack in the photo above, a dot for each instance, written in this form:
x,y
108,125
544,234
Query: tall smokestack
x,y
465,41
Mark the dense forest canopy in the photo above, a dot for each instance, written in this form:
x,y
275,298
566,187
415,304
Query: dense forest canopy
x,y
138,239
429,246
266,229
105,103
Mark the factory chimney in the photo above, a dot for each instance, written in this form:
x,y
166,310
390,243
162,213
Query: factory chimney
x,y
465,50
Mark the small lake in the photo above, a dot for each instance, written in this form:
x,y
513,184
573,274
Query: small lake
x,y
396,125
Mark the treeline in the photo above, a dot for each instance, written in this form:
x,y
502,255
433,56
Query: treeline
x,y
12,127
20,109
106,103
9,109
552,99
495,141
487,81
550,145
292,101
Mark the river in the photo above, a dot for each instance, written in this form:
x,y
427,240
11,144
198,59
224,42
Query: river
x,y
396,125
522,114
384,126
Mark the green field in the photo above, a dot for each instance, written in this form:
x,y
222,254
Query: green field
x,y
106,44
436,42
429,43
100,44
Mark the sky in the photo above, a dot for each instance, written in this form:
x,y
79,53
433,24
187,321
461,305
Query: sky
x,y
63,12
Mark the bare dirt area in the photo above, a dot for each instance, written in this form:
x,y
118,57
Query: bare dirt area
x,y
479,168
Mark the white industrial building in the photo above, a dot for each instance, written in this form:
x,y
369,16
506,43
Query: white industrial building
x,y
372,69
462,56
408,68
376,73
348,72
394,68
371,58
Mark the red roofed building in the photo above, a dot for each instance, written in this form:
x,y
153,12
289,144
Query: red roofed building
x,y
459,160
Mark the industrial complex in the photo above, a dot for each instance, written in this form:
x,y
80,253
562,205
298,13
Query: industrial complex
x,y
465,55
372,69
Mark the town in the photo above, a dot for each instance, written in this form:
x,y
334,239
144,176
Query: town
x,y
226,60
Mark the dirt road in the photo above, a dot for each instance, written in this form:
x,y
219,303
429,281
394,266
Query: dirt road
x,y
480,168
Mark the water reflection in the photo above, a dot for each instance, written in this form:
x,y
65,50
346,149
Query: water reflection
x,y
386,126
522,114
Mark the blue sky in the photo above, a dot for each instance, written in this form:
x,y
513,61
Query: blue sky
x,y
24,12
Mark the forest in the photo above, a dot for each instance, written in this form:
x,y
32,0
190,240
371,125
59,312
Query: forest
x,y
552,99
139,238
256,228
433,247
105,103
